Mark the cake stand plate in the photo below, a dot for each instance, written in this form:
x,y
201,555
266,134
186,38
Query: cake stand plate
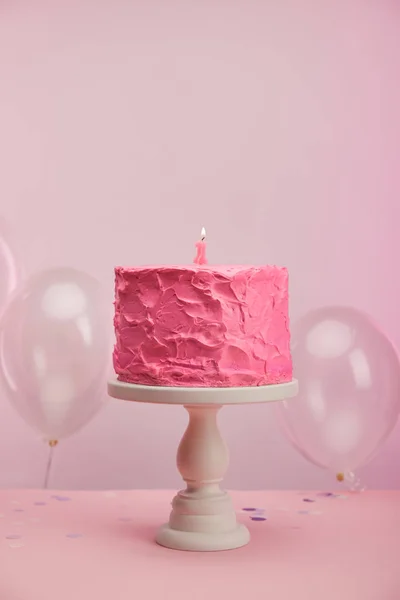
x,y
202,517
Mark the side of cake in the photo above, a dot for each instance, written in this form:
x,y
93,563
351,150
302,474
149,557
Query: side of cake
x,y
202,326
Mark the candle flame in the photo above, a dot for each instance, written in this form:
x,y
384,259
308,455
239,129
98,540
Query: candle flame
x,y
203,234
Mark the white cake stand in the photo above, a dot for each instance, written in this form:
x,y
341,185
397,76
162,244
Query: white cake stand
x,y
202,517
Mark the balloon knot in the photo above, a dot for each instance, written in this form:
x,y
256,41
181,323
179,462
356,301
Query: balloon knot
x,y
340,476
53,443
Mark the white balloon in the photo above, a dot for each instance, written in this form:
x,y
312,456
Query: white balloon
x,y
349,389
54,351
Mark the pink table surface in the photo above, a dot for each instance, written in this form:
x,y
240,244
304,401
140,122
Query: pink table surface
x,y
99,546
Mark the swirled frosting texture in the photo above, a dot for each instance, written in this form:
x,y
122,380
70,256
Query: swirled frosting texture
x,y
202,326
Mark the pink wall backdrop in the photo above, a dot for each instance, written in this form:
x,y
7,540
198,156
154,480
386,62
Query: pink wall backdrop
x,y
127,125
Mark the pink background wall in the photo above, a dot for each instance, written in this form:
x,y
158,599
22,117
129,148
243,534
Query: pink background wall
x,y
127,125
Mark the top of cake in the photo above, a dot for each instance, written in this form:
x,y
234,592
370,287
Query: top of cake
x,y
202,325
229,270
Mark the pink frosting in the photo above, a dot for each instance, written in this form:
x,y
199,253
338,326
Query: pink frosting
x,y
202,325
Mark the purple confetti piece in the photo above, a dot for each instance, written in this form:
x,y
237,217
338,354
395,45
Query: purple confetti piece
x,y
249,509
258,518
74,536
308,500
13,537
40,503
326,494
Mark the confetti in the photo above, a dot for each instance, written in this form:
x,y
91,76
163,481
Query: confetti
x,y
13,537
61,498
249,509
308,500
74,536
258,518
326,494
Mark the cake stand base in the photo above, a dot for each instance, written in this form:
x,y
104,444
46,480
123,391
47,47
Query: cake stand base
x,y
203,517
202,542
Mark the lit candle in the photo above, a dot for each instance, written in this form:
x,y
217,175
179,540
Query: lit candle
x,y
200,258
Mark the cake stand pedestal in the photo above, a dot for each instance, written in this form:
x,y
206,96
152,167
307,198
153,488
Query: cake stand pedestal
x,y
202,517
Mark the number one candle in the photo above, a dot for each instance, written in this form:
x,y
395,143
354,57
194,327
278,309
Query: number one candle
x,y
200,258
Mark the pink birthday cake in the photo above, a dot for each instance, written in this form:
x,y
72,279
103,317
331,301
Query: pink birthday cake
x,y
202,325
